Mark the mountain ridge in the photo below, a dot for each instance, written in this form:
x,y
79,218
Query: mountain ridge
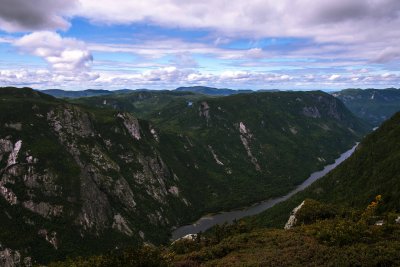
x,y
115,180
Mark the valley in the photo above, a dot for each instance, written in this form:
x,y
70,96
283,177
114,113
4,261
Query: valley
x,y
122,176
199,133
208,221
348,217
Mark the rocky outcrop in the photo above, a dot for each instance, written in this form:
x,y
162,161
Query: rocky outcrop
x,y
204,110
215,156
13,258
131,124
311,112
44,209
50,237
245,137
292,219
121,225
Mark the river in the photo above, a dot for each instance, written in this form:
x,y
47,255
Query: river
x,y
208,221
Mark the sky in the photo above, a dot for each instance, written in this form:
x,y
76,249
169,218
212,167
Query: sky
x,y
164,44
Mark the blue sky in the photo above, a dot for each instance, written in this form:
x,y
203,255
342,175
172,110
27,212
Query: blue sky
x,y
163,44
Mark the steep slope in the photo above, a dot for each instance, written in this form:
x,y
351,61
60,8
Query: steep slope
x,y
236,150
76,181
372,170
345,238
259,138
141,103
80,179
356,224
373,105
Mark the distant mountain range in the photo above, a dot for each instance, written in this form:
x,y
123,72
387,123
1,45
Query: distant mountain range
x,y
194,89
82,93
212,91
373,105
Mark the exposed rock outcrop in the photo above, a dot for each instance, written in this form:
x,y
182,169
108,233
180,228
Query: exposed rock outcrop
x,y
131,124
292,219
245,137
13,258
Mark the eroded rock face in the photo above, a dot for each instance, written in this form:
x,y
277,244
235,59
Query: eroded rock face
x,y
114,179
70,121
96,213
44,209
204,110
10,168
131,124
50,237
292,219
6,146
312,112
245,137
12,258
121,225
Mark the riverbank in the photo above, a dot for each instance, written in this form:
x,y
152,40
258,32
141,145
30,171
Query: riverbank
x,y
208,221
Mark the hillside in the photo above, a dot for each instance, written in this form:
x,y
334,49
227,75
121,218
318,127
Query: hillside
x,y
140,103
75,94
327,236
212,91
357,222
372,170
372,105
78,179
239,141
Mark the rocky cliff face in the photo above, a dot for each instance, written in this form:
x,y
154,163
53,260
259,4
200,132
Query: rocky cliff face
x,y
67,166
78,180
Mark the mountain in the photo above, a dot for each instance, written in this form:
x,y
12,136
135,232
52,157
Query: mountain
x,y
354,222
372,170
77,179
100,92
75,94
212,91
242,140
373,105
350,217
142,103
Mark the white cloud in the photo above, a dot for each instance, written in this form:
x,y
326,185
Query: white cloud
x,y
171,77
334,77
63,54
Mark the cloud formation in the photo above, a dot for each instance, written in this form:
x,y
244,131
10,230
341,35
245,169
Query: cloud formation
x,y
355,25
260,18
63,54
227,43
172,77
33,15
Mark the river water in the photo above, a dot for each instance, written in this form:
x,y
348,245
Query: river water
x,y
208,221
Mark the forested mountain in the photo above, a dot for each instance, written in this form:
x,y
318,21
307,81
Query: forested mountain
x,y
373,105
350,217
78,179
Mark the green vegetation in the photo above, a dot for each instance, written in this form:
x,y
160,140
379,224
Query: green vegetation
x,y
373,169
347,238
279,133
90,177
141,103
373,105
